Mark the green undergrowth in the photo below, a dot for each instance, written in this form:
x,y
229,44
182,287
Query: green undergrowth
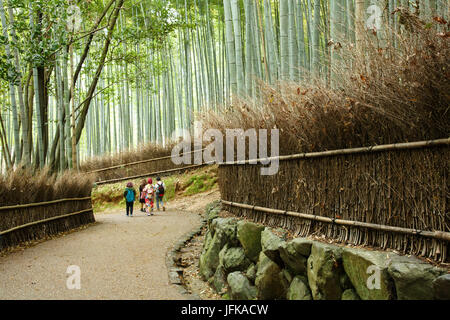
x,y
108,197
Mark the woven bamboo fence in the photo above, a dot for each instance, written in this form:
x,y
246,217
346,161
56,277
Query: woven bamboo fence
x,y
392,196
34,221
136,169
151,174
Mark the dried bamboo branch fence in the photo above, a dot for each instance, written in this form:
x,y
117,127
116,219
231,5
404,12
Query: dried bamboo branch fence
x,y
150,174
33,221
391,196
140,162
133,170
439,235
340,152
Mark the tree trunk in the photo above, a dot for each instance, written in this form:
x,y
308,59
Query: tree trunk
x,y
12,89
83,113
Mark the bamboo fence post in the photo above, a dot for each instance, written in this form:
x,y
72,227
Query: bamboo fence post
x,y
139,162
339,152
43,221
440,235
38,204
150,174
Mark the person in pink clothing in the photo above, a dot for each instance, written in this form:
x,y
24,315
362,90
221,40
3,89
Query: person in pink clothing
x,y
149,192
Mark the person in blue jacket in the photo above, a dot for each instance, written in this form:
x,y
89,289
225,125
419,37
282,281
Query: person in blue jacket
x,y
130,196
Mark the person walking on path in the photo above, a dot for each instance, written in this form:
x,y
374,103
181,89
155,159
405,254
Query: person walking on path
x,y
159,189
130,196
142,194
149,192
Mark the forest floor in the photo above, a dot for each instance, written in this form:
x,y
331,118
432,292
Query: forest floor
x,y
119,257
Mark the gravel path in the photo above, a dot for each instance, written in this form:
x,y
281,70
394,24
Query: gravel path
x,y
119,258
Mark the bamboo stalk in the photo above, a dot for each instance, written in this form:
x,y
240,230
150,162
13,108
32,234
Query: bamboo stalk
x,y
371,149
440,235
44,220
4,141
38,204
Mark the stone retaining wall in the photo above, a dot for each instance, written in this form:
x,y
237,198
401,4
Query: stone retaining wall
x,y
243,260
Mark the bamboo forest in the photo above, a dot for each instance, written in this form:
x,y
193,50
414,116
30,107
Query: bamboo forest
x,y
84,78
271,149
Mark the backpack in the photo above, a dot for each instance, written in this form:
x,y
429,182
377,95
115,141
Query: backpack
x,y
130,195
160,189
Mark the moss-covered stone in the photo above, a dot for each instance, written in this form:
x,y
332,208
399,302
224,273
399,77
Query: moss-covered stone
x,y
249,235
350,294
270,244
251,273
324,271
222,253
441,287
270,282
211,215
287,275
413,278
234,259
362,266
240,287
301,246
225,228
209,260
215,205
207,242
212,211
219,281
345,282
295,254
298,290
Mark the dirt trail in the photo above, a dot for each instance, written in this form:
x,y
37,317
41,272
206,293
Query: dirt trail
x,y
119,258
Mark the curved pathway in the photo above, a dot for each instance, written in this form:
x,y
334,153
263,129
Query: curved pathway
x,y
119,258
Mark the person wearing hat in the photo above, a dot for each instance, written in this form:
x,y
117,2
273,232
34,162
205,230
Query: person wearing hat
x,y
130,196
